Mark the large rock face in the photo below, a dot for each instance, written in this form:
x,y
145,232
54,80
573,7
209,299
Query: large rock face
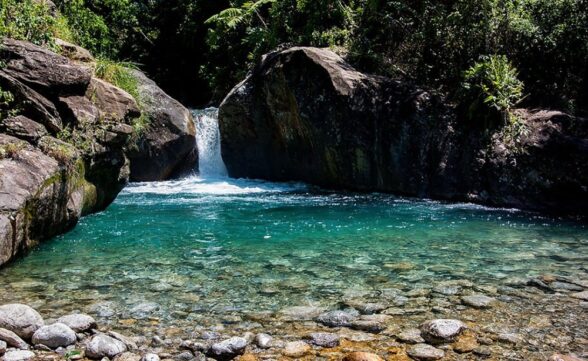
x,y
46,183
168,146
304,114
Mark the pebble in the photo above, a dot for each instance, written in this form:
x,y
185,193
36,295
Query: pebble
x,y
20,355
263,340
336,318
441,330
324,339
296,349
362,356
20,319
54,336
127,356
184,356
484,351
150,357
478,301
422,351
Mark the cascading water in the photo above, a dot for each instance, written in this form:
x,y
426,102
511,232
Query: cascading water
x,y
211,163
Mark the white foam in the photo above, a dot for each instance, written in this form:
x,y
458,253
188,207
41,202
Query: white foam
x,y
212,186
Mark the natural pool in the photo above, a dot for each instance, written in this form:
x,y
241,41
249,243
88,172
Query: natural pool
x,y
212,257
194,248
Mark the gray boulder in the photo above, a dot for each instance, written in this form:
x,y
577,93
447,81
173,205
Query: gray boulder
x,y
78,322
12,339
102,345
54,336
20,319
324,339
263,340
228,349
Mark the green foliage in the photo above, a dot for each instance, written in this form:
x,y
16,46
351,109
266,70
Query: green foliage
x,y
7,106
494,81
118,74
26,20
11,150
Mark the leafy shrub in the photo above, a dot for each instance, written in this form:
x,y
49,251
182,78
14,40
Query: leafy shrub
x,y
494,81
118,74
26,20
7,108
11,150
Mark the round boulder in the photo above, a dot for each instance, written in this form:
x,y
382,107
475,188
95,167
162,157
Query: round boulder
x,y
20,319
54,336
103,345
78,322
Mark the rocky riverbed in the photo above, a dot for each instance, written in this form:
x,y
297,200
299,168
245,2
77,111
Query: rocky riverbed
x,y
541,318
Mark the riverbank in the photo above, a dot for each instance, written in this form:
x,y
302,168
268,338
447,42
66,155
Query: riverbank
x,y
456,320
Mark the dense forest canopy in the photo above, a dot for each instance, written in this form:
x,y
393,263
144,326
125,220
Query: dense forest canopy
x,y
199,49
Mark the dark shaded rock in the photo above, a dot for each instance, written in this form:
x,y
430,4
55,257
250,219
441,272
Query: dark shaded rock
x,y
31,103
42,69
304,114
23,128
20,319
168,143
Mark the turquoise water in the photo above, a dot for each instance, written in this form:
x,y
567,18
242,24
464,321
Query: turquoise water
x,y
177,251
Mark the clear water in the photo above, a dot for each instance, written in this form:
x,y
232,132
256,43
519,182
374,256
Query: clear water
x,y
199,248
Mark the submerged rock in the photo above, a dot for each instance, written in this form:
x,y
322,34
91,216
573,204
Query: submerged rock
x,y
20,319
336,318
422,351
362,356
478,301
263,340
324,339
441,330
296,349
412,335
54,336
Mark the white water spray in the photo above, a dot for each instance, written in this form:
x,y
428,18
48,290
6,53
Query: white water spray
x,y
208,141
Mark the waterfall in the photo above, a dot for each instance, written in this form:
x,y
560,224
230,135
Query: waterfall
x,y
208,141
